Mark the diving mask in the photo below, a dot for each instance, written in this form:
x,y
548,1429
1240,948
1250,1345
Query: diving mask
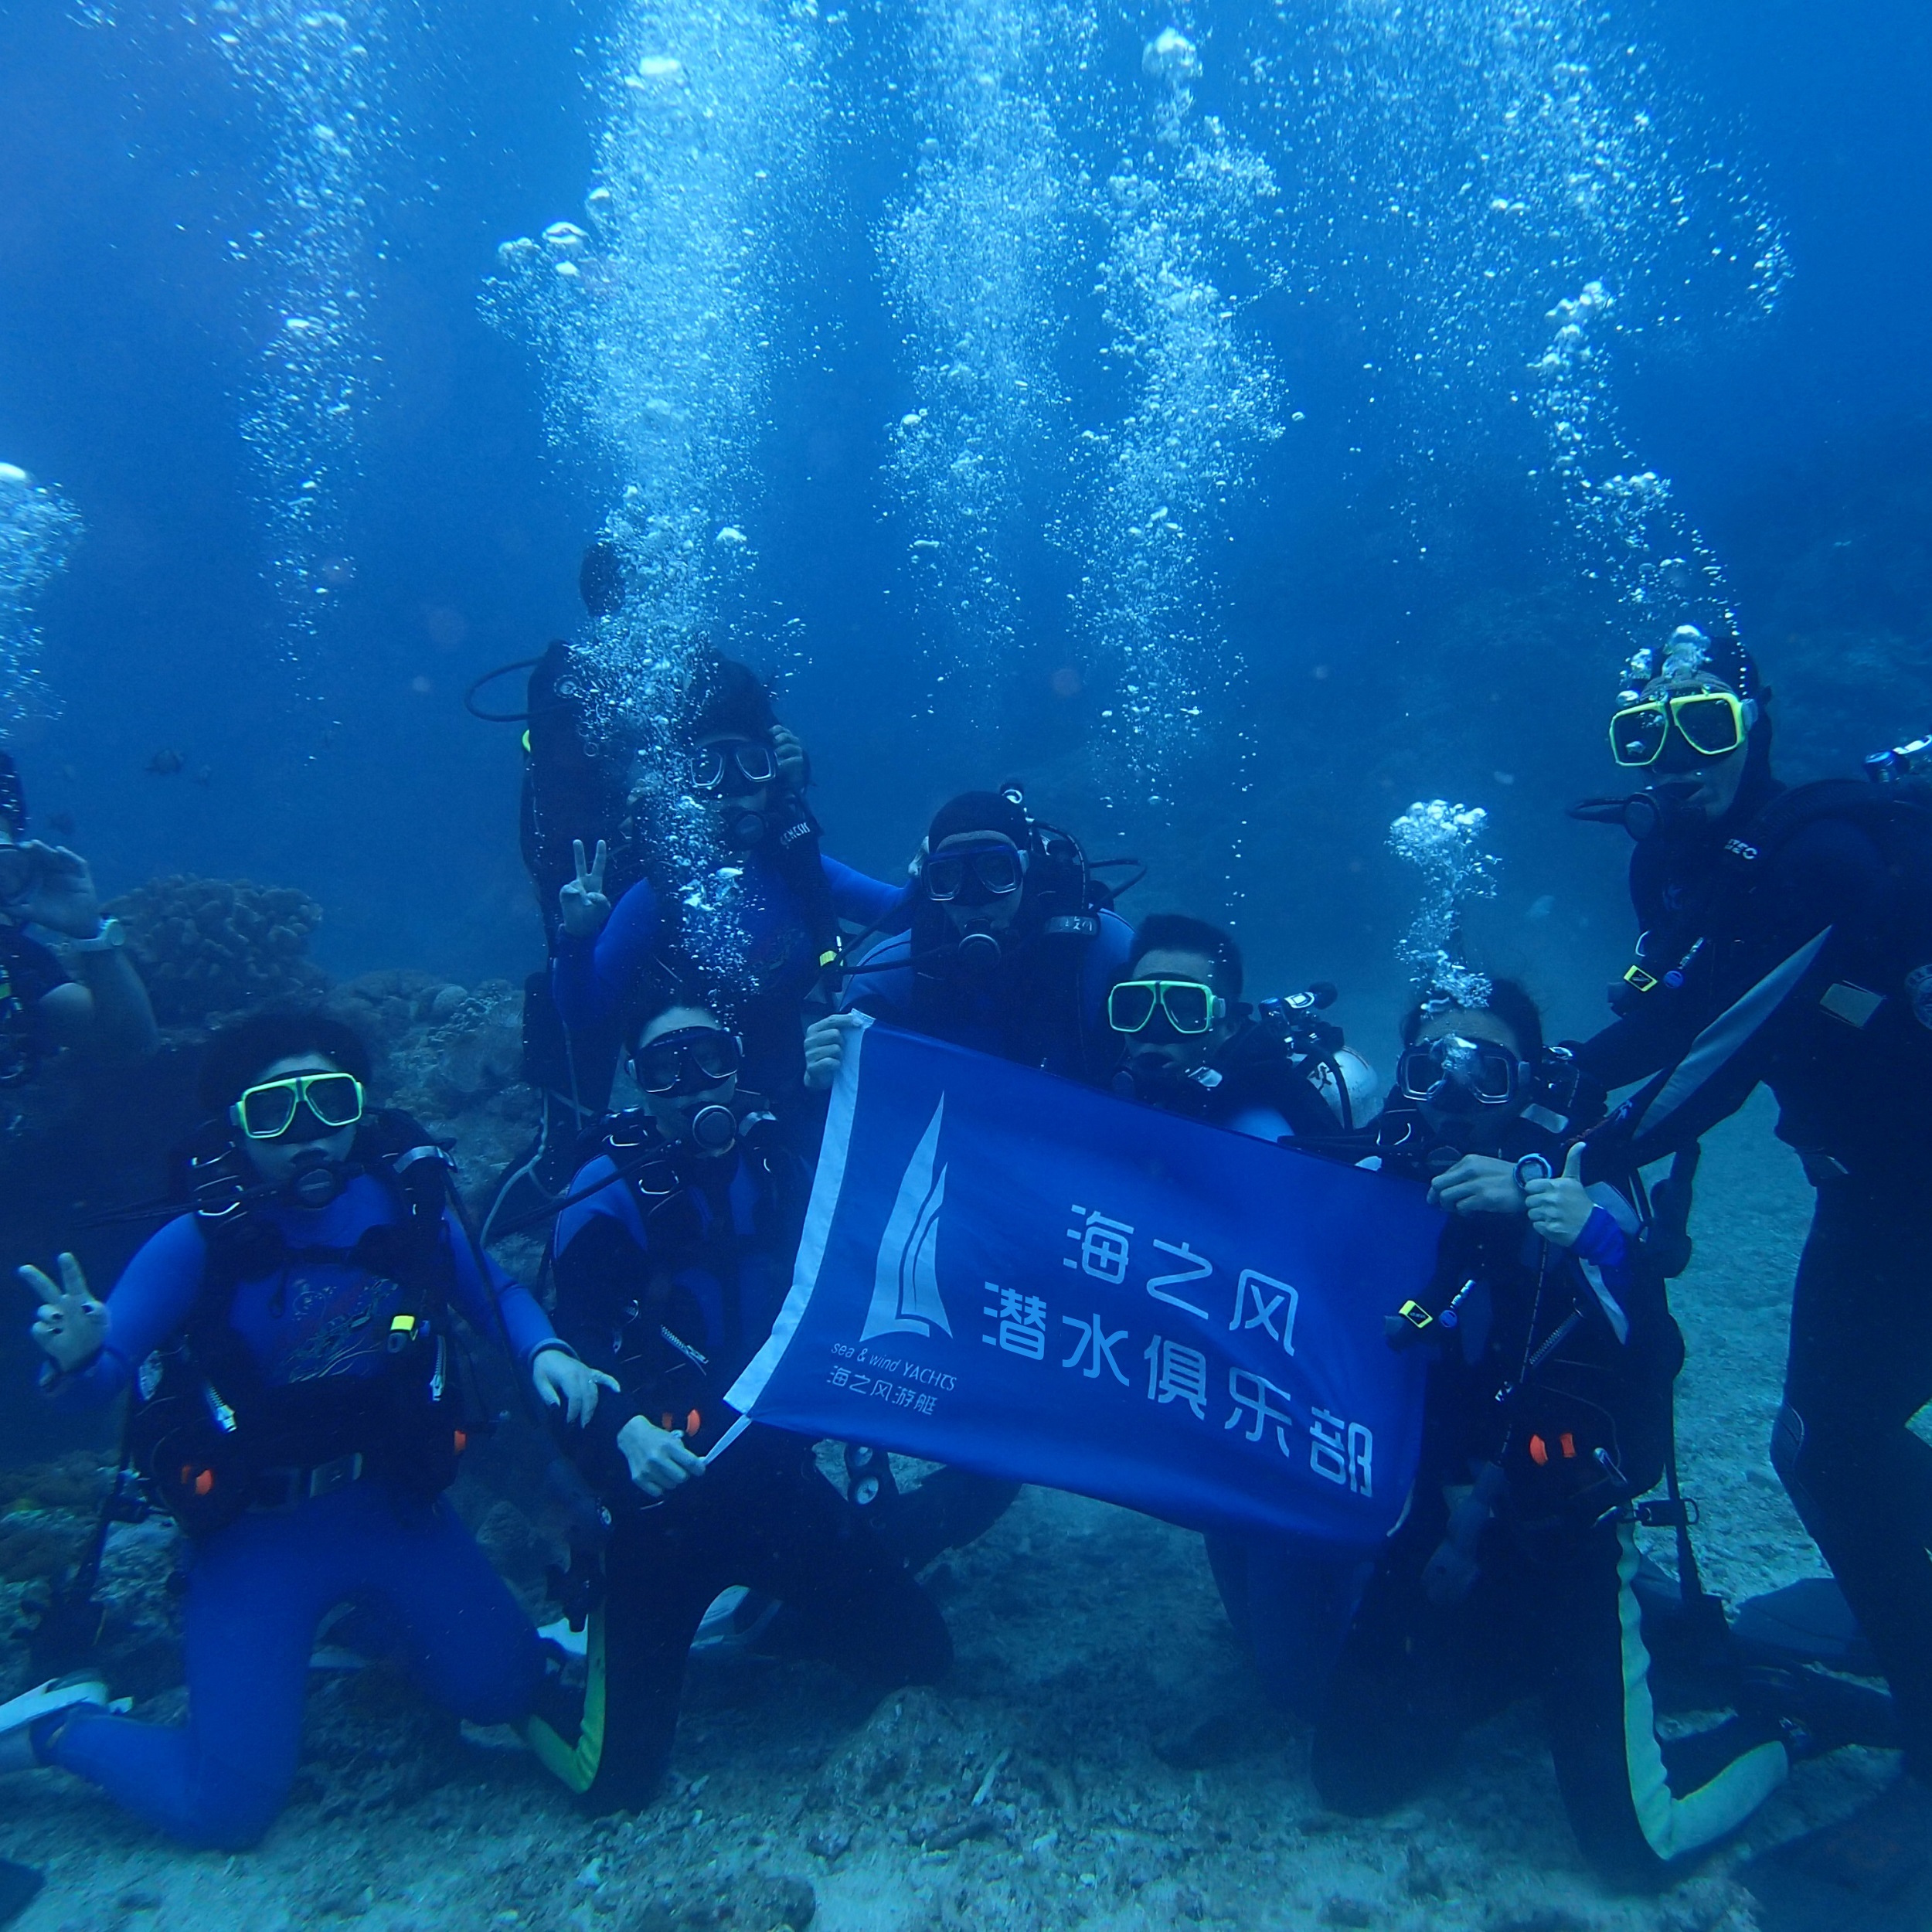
x,y
1682,729
1458,1075
267,1111
688,1060
1189,1006
750,761
981,873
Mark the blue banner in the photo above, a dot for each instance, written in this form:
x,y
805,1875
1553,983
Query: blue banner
x,y
1016,1274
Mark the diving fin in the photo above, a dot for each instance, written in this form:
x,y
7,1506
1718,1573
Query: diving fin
x,y
1804,1623
1870,1872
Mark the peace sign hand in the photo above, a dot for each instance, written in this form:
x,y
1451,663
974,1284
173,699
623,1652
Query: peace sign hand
x,y
582,902
71,1326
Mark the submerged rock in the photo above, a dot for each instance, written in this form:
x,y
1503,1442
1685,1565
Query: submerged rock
x,y
206,948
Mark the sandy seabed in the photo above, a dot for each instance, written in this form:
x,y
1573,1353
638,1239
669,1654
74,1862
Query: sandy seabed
x,y
1028,1791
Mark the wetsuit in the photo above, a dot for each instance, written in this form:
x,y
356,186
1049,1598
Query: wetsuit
x,y
593,978
1528,1587
258,1586
1256,1084
671,1289
1044,1005
1848,1054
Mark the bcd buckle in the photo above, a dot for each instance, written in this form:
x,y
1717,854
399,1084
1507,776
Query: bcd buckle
x,y
1664,1512
326,1477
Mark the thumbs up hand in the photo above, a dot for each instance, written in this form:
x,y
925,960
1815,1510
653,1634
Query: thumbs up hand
x,y
1559,1207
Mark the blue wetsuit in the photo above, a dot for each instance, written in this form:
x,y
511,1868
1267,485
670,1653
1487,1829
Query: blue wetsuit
x,y
672,1303
258,1586
591,979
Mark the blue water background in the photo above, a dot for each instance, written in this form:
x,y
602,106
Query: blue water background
x,y
1801,447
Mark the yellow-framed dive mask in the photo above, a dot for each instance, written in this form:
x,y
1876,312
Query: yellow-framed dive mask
x,y
1712,724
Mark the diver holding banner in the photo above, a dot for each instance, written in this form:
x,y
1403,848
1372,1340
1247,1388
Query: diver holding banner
x,y
1012,1274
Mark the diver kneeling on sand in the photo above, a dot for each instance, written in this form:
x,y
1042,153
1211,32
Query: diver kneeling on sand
x,y
1553,1352
300,1410
673,1256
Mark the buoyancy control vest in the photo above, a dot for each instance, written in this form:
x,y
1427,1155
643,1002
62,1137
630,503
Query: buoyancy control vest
x,y
1540,1373
210,1437
677,1343
1256,1069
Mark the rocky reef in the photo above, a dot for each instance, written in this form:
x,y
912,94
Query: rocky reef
x,y
210,947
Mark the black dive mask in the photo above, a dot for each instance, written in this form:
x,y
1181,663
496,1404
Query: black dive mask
x,y
1465,1090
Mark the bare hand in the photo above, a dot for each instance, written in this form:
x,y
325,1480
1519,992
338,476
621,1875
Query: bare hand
x,y
582,902
565,1382
1478,1184
1560,1207
62,897
825,1049
794,768
71,1326
657,1459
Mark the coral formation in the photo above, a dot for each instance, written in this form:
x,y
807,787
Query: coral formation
x,y
210,946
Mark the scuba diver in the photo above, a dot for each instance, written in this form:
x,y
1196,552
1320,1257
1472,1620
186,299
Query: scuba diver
x,y
672,1260
42,1007
1188,1045
300,1405
1788,940
1553,1355
1011,949
750,774
576,786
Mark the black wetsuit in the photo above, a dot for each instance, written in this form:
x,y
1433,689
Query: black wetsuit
x,y
1256,1083
1848,1056
671,1284
1544,1547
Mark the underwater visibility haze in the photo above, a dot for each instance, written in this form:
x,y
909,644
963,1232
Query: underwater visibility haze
x,y
1265,440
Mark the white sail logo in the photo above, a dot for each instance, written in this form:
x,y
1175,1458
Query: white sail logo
x,y
905,1293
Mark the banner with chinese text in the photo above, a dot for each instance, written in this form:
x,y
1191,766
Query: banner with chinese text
x,y
1020,1276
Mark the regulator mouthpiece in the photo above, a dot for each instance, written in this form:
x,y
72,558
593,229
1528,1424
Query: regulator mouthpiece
x,y
714,1128
979,950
